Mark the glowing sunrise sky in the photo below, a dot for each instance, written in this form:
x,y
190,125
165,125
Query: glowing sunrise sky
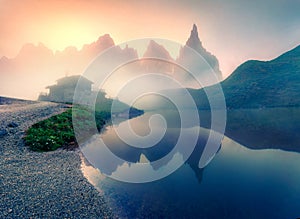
x,y
233,30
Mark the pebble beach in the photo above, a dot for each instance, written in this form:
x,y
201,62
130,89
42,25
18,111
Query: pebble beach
x,y
41,185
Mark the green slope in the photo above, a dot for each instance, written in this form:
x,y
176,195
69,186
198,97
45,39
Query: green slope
x,y
259,84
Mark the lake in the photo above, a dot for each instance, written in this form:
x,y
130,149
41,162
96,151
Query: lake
x,y
240,182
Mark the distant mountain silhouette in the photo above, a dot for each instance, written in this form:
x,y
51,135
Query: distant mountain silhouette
x,y
260,84
192,57
36,66
156,50
156,65
186,59
101,44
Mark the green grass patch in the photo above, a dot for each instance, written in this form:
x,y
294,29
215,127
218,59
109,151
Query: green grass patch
x,y
58,131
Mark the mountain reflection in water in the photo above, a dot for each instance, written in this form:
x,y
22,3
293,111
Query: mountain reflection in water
x,y
238,183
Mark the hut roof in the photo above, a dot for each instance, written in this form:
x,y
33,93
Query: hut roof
x,y
71,80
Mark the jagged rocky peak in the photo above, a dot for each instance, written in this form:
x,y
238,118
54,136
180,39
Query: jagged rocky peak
x,y
156,50
194,41
103,42
130,51
159,59
126,52
30,49
106,40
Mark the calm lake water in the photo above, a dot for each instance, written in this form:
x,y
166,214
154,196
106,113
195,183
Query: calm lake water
x,y
238,183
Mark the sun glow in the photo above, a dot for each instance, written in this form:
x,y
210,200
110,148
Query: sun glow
x,y
61,34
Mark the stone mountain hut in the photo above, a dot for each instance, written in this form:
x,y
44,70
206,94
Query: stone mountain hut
x,y
64,90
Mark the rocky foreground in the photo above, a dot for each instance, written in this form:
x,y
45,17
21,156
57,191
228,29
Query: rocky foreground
x,y
41,185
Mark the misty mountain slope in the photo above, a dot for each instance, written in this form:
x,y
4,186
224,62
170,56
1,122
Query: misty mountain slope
x,y
185,57
259,84
36,65
159,63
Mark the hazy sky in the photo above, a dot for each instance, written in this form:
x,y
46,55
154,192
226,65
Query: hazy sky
x,y
233,30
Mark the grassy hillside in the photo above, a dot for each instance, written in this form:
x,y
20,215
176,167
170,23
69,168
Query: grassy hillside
x,y
258,84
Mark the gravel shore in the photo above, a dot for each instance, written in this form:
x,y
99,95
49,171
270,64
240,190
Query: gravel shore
x,y
41,185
